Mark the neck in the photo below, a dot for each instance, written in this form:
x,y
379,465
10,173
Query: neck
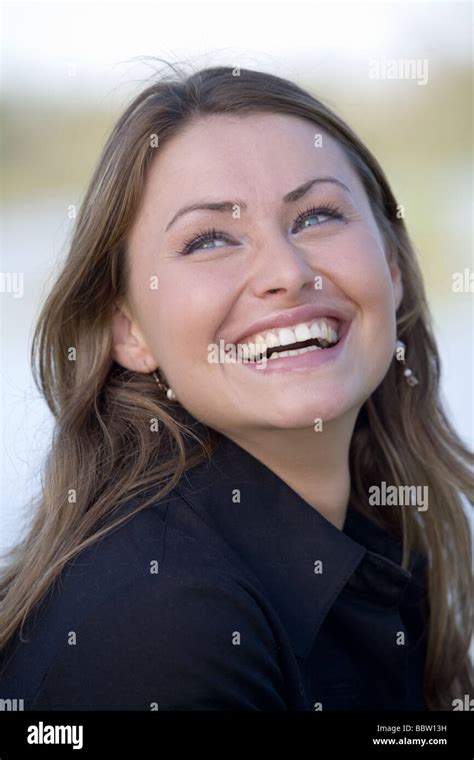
x,y
314,464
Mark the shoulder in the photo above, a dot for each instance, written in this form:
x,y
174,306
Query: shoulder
x,y
169,641
154,616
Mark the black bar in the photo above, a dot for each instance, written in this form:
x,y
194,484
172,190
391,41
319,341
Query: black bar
x,y
154,734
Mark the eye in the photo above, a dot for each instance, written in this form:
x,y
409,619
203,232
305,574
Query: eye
x,y
197,242
330,211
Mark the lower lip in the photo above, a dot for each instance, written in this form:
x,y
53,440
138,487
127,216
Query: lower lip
x,y
307,360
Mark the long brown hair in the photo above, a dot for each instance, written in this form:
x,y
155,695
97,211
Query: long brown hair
x,y
104,448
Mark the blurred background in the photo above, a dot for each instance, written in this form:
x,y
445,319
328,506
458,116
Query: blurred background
x,y
69,69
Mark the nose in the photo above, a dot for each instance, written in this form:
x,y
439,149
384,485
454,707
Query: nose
x,y
281,268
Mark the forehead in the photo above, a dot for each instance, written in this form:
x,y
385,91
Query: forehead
x,y
256,156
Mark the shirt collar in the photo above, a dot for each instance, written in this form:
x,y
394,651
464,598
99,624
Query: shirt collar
x,y
300,558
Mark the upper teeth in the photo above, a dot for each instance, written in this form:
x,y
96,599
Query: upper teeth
x,y
285,336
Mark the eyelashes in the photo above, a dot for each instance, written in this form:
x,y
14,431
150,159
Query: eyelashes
x,y
209,235
328,209
204,236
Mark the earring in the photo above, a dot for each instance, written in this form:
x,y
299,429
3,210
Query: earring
x,y
400,357
169,391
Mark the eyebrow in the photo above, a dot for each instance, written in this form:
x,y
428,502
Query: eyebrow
x,y
228,206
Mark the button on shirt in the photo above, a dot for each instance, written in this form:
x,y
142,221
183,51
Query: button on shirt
x,y
231,593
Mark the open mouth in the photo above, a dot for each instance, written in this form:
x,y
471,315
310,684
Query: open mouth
x,y
317,335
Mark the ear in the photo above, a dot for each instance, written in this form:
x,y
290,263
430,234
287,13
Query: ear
x,y
129,346
396,276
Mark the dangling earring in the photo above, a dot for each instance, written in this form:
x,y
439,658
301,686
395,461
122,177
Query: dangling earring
x,y
400,357
169,391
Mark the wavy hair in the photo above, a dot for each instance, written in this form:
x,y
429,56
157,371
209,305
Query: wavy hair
x,y
104,450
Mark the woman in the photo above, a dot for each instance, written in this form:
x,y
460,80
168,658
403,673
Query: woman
x,y
253,497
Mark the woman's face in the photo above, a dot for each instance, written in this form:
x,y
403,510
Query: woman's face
x,y
280,257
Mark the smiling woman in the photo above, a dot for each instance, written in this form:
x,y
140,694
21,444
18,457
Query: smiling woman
x,y
207,539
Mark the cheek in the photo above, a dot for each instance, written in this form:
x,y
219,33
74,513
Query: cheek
x,y
363,274
190,306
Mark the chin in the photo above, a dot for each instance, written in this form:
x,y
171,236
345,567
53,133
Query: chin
x,y
296,414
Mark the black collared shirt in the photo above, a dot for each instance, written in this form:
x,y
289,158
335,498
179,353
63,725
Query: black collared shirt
x,y
232,593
